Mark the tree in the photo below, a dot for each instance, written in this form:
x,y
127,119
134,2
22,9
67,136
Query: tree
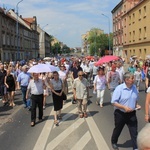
x,y
99,42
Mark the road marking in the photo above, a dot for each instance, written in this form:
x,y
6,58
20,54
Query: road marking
x,y
64,134
65,117
98,138
41,142
82,142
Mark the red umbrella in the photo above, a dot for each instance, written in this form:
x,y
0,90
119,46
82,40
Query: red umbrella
x,y
106,59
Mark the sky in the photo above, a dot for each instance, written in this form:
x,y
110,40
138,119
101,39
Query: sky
x,y
66,20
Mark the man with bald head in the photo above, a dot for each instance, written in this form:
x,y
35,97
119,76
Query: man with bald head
x,y
80,91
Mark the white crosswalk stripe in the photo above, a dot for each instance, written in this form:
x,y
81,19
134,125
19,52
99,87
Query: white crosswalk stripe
x,y
64,134
93,132
82,142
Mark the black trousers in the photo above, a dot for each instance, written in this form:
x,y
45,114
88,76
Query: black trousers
x,y
37,100
130,120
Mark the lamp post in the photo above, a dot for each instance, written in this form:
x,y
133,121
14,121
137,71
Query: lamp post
x,y
108,31
17,36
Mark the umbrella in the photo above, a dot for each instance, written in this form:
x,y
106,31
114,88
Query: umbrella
x,y
42,68
47,58
106,59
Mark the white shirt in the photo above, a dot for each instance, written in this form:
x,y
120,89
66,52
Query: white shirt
x,y
100,82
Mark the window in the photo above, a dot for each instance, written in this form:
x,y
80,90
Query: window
x,y
145,33
139,14
124,8
130,37
145,51
4,39
133,18
129,20
125,38
133,36
125,22
140,33
144,11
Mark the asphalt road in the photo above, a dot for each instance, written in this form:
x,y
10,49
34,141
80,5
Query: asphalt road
x,y
73,133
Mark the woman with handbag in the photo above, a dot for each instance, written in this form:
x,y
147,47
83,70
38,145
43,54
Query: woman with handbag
x,y
57,87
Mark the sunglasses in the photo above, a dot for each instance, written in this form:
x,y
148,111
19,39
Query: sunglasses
x,y
81,75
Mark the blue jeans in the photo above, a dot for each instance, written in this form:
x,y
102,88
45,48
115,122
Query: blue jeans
x,y
24,91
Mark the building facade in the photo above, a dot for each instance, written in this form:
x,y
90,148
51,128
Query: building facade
x,y
18,40
135,26
85,45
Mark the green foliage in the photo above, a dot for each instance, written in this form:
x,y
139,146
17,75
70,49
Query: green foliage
x,y
99,42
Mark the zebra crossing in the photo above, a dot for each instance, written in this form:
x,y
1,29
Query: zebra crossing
x,y
73,133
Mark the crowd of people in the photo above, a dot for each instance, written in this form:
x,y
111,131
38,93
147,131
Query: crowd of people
x,y
123,84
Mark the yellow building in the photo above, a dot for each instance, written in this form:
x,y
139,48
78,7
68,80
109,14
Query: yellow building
x,y
135,25
85,44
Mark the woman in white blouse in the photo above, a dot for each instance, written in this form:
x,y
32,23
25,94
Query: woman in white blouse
x,y
100,86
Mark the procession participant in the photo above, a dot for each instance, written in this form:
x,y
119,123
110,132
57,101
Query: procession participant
x,y
120,70
74,74
2,85
36,89
22,82
113,79
63,75
124,100
138,78
9,81
100,85
57,90
80,91
147,106
143,138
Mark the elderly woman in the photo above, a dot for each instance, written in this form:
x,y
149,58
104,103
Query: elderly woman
x,y
100,86
57,87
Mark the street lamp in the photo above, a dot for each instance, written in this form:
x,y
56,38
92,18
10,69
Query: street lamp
x,y
108,31
18,57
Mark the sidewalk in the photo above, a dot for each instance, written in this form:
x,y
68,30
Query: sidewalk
x,y
7,112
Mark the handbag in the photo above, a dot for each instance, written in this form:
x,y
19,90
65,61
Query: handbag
x,y
64,97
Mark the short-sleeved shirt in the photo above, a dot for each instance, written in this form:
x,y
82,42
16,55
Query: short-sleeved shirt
x,y
137,75
36,87
81,88
125,96
100,82
75,71
57,85
115,78
24,78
